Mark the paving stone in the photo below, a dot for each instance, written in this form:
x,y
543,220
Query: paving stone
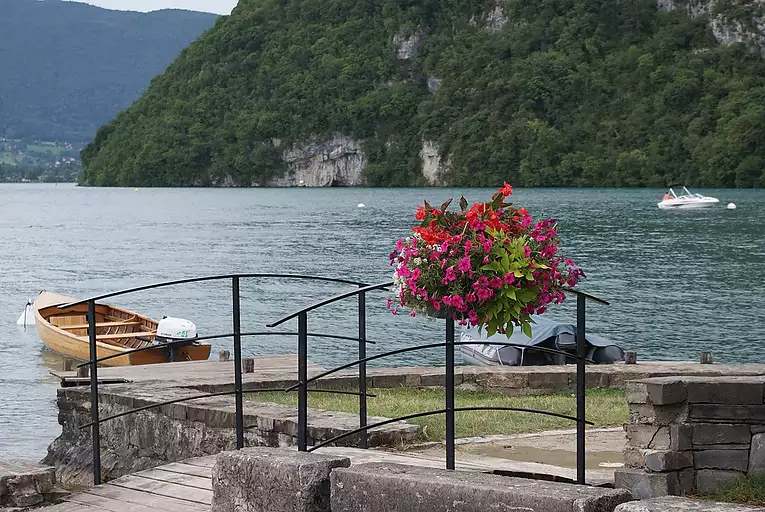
x,y
637,393
709,480
662,461
680,437
716,433
737,460
645,485
757,454
679,504
400,488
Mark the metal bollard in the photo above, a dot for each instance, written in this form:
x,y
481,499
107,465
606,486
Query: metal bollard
x,y
248,365
630,357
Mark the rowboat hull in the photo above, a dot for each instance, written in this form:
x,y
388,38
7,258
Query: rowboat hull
x,y
118,330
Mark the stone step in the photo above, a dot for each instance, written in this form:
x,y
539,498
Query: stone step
x,y
23,484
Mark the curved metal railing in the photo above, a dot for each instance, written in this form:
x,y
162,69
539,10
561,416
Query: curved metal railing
x,y
303,382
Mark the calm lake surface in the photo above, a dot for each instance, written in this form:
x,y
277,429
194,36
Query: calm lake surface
x,y
678,282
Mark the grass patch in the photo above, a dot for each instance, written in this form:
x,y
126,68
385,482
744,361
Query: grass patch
x,y
746,490
605,407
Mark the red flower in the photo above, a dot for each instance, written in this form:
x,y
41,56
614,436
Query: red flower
x,y
506,190
420,215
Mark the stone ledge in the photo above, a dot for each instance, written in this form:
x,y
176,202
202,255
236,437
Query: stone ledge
x,y
398,488
23,484
645,485
677,504
273,480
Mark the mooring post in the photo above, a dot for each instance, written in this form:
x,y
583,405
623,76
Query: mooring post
x,y
362,369
580,388
237,363
449,384
303,381
95,428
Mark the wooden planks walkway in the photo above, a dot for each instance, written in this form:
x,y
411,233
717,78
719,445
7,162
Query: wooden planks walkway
x,y
177,487
187,485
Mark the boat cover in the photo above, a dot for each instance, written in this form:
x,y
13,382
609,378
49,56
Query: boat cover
x,y
545,333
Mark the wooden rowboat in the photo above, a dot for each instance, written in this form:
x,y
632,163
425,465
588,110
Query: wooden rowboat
x,y
65,331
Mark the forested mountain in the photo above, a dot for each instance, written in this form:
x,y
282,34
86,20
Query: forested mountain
x,y
66,68
461,92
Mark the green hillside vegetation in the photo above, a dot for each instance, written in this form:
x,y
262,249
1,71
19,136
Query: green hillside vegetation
x,y
567,93
67,68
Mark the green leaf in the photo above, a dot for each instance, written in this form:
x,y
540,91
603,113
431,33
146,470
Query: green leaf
x,y
505,262
463,203
526,329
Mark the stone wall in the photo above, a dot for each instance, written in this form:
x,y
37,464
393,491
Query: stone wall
x,y
175,432
691,435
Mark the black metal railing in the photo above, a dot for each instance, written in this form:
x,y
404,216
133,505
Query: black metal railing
x,y
303,381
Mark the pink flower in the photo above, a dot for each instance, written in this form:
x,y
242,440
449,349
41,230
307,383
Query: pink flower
x,y
509,279
464,264
485,293
450,274
485,260
473,317
436,304
471,297
527,251
487,245
496,283
403,272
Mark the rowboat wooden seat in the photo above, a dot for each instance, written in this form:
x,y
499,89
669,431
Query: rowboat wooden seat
x,y
99,324
122,336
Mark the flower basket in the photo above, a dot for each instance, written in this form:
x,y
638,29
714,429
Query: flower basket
x,y
488,266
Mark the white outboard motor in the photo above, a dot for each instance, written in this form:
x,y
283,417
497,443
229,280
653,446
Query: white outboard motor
x,y
174,329
27,318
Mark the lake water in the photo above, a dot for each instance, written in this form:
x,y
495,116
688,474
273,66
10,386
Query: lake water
x,y
678,282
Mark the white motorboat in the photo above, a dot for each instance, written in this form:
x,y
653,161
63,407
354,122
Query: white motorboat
x,y
685,200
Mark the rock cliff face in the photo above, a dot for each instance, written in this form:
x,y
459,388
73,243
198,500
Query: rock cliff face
x,y
432,166
332,163
731,21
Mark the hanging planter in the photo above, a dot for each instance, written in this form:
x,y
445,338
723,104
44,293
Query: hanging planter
x,y
488,266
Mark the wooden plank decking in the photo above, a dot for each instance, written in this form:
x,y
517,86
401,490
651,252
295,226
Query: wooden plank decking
x,y
177,487
187,485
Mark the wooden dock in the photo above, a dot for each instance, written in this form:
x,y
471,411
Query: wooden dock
x,y
281,366
187,485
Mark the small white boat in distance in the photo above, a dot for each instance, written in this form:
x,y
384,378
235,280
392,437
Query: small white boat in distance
x,y
685,200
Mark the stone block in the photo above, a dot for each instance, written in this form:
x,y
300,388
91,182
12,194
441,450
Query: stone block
x,y
709,480
714,413
548,380
273,480
634,457
645,485
637,393
678,504
661,461
728,391
660,415
757,454
648,436
666,392
400,488
737,460
680,437
23,484
717,433
502,380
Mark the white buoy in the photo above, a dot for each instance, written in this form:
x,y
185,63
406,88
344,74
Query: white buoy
x,y
362,205
731,206
28,316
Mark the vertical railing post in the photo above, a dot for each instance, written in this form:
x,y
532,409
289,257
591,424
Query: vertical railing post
x,y
362,369
580,388
95,429
303,381
449,384
236,312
